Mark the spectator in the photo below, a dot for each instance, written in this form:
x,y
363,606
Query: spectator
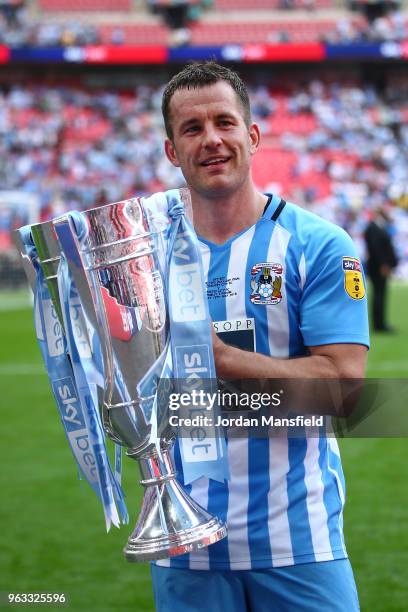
x,y
381,261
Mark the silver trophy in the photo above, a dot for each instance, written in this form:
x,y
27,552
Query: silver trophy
x,y
118,272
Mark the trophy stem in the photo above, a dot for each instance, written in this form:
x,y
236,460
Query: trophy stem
x,y
170,522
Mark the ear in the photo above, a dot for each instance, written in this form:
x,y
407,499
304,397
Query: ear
x,y
171,154
254,137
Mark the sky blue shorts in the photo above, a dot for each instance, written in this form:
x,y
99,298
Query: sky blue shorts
x,y
327,586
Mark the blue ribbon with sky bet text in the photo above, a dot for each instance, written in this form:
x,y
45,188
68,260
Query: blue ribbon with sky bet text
x,y
192,359
80,423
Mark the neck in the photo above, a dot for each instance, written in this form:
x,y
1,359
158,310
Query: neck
x,y
218,219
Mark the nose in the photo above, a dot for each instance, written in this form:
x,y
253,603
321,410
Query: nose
x,y
211,137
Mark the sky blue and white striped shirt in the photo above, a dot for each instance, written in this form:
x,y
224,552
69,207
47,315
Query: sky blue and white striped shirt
x,y
284,501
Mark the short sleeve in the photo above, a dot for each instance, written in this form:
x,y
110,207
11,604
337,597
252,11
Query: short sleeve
x,y
333,306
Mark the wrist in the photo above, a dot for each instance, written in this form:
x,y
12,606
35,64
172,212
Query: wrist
x,y
221,352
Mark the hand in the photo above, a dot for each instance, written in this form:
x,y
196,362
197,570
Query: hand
x,y
385,270
219,349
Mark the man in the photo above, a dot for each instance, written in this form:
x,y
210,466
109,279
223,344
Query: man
x,y
287,272
381,261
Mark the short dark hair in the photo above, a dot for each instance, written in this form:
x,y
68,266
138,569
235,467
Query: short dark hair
x,y
201,74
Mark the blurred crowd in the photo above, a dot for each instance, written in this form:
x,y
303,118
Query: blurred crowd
x,y
349,159
18,27
391,27
77,149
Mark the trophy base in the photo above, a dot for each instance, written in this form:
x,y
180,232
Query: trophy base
x,y
170,523
171,545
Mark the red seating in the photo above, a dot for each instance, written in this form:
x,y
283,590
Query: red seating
x,y
137,34
301,123
85,5
74,149
249,32
26,117
272,165
252,5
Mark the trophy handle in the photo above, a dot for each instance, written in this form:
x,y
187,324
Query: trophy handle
x,y
27,263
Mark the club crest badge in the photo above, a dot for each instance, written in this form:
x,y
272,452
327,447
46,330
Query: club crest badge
x,y
266,283
353,278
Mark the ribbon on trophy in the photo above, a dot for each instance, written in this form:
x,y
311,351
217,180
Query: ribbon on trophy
x,y
88,369
191,362
89,350
81,426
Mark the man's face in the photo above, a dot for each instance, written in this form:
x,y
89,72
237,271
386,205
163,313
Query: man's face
x,y
211,142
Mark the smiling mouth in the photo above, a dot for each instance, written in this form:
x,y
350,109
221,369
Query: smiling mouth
x,y
216,162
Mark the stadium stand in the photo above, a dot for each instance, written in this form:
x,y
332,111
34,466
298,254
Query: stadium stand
x,y
337,148
249,32
86,135
133,22
85,5
136,34
245,5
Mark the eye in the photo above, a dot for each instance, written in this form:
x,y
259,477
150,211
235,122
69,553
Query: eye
x,y
191,129
225,122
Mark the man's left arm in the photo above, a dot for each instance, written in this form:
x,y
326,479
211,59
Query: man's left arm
x,y
345,361
328,381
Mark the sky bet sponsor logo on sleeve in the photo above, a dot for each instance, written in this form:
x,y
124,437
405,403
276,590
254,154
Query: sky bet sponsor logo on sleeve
x,y
71,413
353,278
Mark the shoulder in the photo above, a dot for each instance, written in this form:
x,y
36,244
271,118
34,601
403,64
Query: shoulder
x,y
311,232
